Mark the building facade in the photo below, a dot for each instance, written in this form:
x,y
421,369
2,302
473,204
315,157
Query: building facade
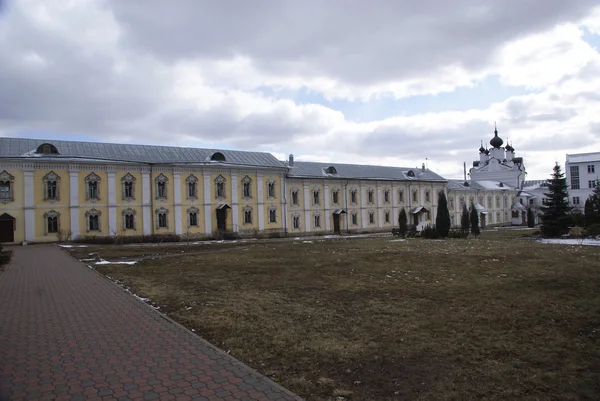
x,y
582,171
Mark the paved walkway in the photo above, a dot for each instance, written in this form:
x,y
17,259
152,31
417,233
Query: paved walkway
x,y
68,333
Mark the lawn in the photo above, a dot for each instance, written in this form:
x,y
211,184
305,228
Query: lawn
x,y
497,317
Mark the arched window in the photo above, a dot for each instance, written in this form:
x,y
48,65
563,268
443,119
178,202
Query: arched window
x,y
192,217
161,187
92,187
52,220
247,187
192,187
51,187
93,220
331,170
161,218
220,191
47,149
128,187
7,183
218,157
128,219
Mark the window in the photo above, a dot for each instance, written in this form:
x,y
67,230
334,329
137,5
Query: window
x,y
489,201
462,201
47,148
128,187
128,219
574,177
218,157
400,195
498,201
387,216
192,187
591,168
247,187
331,170
592,184
515,213
296,221
497,217
371,218
272,214
161,218
317,220
576,200
315,197
192,217
531,201
427,196
6,187
51,187
271,189
248,215
353,196
295,197
92,184
386,196
370,196
451,203
480,200
93,220
354,219
415,196
335,196
220,191
52,222
161,187
427,215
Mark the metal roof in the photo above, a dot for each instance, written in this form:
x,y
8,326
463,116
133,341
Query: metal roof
x,y
18,148
478,185
358,171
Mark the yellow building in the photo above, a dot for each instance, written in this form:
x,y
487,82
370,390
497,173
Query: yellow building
x,y
63,190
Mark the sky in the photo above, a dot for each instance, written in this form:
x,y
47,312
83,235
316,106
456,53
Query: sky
x,y
389,82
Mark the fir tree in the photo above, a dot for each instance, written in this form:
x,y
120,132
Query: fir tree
x,y
464,221
556,218
442,220
592,206
530,218
474,221
402,223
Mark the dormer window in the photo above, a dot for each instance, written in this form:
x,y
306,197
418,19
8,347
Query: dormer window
x,y
410,173
47,149
218,157
331,170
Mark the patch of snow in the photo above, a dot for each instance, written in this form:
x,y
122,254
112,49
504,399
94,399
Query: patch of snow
x,y
397,240
307,242
72,246
592,242
106,262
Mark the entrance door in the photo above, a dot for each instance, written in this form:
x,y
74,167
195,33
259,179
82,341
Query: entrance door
x,y
482,220
221,219
7,228
416,219
336,224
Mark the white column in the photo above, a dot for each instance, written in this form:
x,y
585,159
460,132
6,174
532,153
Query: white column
x,y
394,205
177,202
234,201
112,204
207,204
146,195
307,225
261,210
74,202
326,199
29,205
363,203
379,206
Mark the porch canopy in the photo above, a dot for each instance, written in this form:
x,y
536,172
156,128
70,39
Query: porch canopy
x,y
480,209
339,211
223,206
419,209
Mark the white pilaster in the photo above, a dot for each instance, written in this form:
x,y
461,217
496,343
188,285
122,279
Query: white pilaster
x,y
307,221
74,202
177,202
234,201
207,204
29,205
379,206
112,204
395,209
363,205
327,217
261,195
146,205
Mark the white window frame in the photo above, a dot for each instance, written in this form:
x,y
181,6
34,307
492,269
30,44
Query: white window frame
x,y
93,213
272,213
271,189
246,187
162,211
161,181
8,180
49,178
248,215
52,214
191,187
190,211
129,212
90,180
220,187
128,179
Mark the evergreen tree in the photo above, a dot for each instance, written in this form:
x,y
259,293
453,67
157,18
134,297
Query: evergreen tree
x,y
474,221
442,220
592,206
530,218
402,223
464,221
556,218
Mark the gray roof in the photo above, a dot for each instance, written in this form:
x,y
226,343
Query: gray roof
x,y
478,185
358,171
15,148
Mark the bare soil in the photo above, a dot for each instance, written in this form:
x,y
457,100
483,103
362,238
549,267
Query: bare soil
x,y
496,317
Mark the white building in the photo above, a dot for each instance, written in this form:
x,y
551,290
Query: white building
x,y
582,172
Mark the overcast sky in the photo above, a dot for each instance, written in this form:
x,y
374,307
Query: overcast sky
x,y
391,82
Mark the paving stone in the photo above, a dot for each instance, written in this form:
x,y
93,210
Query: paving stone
x,y
69,333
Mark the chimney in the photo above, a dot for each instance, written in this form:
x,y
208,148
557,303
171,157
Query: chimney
x,y
423,167
465,170
291,161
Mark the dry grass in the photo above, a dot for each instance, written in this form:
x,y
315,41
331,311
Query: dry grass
x,y
498,317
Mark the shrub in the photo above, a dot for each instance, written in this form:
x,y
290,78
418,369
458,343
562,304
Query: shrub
x,y
457,233
156,238
430,232
593,230
411,231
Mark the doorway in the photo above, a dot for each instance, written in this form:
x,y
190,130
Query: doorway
x,y
482,220
222,217
336,221
7,228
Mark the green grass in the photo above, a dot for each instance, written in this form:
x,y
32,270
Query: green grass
x,y
497,317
